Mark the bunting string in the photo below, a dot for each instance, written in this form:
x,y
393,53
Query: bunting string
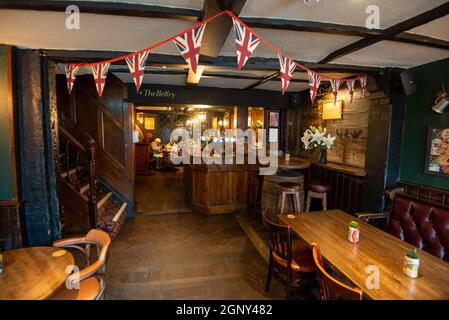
x,y
188,42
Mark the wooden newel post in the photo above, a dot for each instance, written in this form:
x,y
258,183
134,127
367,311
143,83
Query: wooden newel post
x,y
92,186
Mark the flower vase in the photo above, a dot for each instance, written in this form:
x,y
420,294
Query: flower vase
x,y
323,156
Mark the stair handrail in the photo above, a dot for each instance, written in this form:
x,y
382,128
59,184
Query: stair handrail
x,y
89,149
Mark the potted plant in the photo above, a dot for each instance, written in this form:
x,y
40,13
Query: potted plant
x,y
354,232
411,264
318,138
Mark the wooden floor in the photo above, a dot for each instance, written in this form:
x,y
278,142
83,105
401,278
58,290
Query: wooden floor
x,y
160,192
186,256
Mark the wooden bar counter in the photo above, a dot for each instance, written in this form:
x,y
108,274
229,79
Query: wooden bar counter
x,y
222,188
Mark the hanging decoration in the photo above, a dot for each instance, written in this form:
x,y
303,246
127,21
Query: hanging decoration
x,y
245,42
363,81
136,64
286,70
100,72
314,83
189,44
335,83
351,84
70,74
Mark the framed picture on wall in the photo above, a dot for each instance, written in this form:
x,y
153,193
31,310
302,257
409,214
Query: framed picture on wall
x,y
437,154
274,119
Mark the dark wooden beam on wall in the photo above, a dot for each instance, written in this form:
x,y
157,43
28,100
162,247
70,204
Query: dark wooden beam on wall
x,y
340,29
107,7
395,30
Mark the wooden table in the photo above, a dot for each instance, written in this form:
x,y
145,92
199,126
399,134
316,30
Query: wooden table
x,y
293,164
329,229
33,273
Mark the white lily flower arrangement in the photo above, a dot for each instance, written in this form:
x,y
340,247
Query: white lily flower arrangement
x,y
317,138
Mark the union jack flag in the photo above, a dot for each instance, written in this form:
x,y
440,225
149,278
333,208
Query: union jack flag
x,y
351,85
100,72
335,83
287,69
363,82
314,83
70,74
246,42
189,44
136,64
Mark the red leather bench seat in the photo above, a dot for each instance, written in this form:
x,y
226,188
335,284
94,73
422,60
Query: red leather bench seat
x,y
421,224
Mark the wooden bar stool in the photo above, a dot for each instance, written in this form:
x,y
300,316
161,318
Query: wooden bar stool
x,y
289,188
317,190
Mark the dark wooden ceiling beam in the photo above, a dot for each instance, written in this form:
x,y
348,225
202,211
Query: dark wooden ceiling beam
x,y
339,29
308,26
107,7
395,30
176,61
262,81
217,32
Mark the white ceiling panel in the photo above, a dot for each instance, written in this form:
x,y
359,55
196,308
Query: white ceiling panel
x,y
302,46
46,30
438,29
393,54
226,82
175,80
346,12
276,86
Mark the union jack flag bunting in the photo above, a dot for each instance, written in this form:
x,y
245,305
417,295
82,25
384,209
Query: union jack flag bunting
x,y
246,42
363,82
351,85
189,44
314,83
335,83
70,74
136,64
286,70
100,72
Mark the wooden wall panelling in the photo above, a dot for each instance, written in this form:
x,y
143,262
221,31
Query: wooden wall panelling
x,y
432,195
346,188
12,231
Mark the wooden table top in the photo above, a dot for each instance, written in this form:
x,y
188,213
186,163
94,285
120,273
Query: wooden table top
x,y
33,273
329,229
293,164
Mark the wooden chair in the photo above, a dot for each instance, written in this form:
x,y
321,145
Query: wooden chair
x,y
288,259
331,288
91,279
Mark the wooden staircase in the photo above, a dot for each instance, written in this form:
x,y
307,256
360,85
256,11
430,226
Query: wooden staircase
x,y
86,201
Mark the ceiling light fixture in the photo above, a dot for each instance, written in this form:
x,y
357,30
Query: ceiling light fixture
x,y
442,103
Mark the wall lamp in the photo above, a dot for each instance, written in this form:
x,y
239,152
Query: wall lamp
x,y
442,102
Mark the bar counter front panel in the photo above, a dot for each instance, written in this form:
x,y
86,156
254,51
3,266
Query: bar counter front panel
x,y
233,188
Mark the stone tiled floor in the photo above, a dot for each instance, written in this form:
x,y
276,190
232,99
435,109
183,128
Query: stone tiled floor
x,y
186,256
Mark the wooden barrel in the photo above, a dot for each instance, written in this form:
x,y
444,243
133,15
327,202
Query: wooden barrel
x,y
270,192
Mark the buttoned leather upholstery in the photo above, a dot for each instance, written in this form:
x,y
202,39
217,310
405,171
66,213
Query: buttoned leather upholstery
x,y
421,224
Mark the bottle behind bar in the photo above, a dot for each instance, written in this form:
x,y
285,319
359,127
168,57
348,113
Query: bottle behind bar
x,y
1,264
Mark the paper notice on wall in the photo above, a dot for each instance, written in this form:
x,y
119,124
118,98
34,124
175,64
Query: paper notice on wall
x,y
135,136
273,135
